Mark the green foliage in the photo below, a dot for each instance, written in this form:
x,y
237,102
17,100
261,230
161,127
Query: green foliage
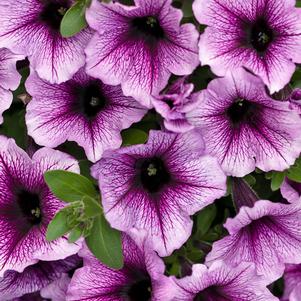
x,y
74,20
276,178
74,235
68,186
294,173
133,136
204,220
59,225
105,243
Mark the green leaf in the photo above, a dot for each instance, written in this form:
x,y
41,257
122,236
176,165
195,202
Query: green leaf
x,y
133,136
205,219
277,179
294,173
187,8
74,235
58,226
92,207
251,180
74,20
105,243
68,186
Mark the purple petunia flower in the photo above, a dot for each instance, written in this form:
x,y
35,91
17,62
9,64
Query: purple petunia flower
x,y
141,278
83,110
157,186
262,35
291,190
35,277
292,283
267,234
31,28
9,78
221,282
27,206
140,46
245,128
174,104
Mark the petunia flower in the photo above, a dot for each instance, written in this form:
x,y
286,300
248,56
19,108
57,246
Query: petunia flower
x,y
221,282
140,46
291,190
31,28
35,277
265,233
27,206
157,186
141,278
245,128
174,104
9,78
262,35
292,283
83,110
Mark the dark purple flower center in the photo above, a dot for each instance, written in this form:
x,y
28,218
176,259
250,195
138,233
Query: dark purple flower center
x,y
53,12
29,206
90,99
241,110
261,35
154,174
148,27
140,291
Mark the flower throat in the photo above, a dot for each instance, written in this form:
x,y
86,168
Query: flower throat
x,y
53,13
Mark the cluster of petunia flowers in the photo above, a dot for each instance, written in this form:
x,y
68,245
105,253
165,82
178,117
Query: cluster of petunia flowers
x,y
90,87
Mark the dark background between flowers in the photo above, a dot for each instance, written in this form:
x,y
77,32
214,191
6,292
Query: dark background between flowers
x,y
208,223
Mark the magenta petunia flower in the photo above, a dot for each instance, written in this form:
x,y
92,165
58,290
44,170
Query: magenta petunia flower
x,y
27,206
141,278
9,78
291,190
262,35
245,128
83,110
140,46
31,28
174,104
35,277
292,283
221,282
157,186
267,234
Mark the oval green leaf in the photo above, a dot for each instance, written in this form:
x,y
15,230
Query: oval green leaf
x,y
92,207
74,20
105,243
133,136
68,186
58,226
74,235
